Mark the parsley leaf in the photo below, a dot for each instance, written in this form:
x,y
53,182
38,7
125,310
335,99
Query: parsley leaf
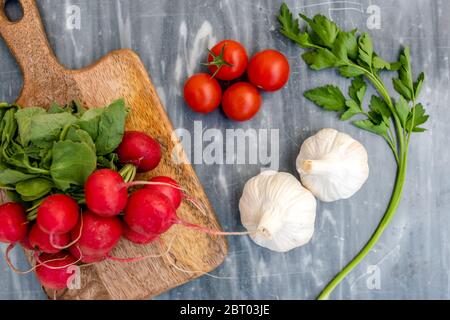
x,y
368,125
365,49
418,84
328,97
380,109
357,90
404,83
379,63
419,118
290,28
350,72
346,46
402,109
353,110
320,59
324,30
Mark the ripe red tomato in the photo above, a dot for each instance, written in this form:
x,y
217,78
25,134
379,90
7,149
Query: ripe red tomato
x,y
241,101
229,61
202,93
268,70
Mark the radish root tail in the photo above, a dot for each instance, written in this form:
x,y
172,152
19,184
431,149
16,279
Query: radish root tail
x,y
199,206
52,239
212,232
138,259
173,264
195,203
33,268
40,263
150,183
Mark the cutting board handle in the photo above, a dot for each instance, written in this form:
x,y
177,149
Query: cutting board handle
x,y
28,42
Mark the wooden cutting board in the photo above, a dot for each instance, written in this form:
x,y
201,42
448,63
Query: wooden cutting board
x,y
118,74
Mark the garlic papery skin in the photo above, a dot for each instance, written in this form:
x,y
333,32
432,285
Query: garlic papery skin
x,y
278,211
332,165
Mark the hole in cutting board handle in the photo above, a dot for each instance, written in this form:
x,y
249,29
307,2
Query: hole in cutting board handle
x,y
13,10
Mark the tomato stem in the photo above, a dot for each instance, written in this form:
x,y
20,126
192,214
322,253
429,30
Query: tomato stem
x,y
218,61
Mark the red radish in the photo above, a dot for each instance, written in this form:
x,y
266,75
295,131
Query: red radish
x,y
140,150
78,254
173,193
149,212
54,274
152,212
39,240
170,188
57,214
137,237
98,256
13,222
98,236
106,193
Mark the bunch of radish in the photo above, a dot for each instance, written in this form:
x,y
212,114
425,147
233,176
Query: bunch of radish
x,y
65,234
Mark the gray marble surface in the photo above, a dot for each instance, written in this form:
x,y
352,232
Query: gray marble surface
x,y
412,259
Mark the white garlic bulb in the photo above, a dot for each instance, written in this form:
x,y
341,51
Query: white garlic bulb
x,y
332,165
279,210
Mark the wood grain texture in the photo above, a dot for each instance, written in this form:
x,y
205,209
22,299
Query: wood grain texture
x,y
118,74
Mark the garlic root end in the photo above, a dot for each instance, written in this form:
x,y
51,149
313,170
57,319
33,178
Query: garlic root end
x,y
265,232
306,166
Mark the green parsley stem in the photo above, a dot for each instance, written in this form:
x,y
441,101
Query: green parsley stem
x,y
412,124
378,84
390,212
393,148
396,195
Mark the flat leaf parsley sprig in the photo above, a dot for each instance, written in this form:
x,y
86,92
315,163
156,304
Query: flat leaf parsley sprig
x,y
353,55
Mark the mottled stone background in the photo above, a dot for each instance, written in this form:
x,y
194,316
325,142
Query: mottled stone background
x,y
412,259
